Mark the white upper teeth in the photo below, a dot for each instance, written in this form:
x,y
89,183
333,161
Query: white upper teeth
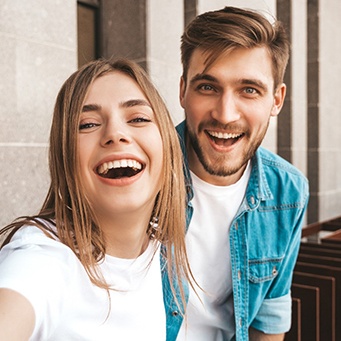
x,y
104,167
221,135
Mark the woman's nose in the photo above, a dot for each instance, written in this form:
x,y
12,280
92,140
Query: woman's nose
x,y
115,134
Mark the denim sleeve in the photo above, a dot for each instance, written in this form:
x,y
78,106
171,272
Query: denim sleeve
x,y
274,316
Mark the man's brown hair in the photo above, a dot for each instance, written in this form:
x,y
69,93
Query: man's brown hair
x,y
221,31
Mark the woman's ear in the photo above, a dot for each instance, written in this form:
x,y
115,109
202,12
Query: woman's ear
x,y
278,99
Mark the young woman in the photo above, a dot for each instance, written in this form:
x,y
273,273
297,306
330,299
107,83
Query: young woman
x,y
88,267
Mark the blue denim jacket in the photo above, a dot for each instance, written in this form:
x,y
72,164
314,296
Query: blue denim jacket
x,y
264,241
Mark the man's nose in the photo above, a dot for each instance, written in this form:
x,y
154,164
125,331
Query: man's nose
x,y
226,110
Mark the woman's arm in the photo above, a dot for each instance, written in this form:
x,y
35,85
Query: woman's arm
x,y
16,316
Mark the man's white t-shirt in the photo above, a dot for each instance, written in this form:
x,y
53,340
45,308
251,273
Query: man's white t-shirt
x,y
208,248
69,307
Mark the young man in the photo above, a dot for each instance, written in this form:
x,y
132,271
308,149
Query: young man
x,y
245,204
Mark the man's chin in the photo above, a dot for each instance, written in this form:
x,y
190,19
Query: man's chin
x,y
221,171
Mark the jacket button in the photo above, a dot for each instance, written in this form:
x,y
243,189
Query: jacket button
x,y
175,313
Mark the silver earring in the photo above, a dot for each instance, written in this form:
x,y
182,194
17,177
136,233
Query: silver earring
x,y
153,227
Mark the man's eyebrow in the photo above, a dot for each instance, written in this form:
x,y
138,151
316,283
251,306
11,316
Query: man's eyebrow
x,y
243,81
134,102
255,82
203,76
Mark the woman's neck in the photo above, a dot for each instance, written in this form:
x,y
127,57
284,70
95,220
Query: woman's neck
x,y
126,236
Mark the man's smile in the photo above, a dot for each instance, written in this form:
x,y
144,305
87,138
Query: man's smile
x,y
223,139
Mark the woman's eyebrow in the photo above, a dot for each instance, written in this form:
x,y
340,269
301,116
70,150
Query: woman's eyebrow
x,y
91,107
134,102
124,104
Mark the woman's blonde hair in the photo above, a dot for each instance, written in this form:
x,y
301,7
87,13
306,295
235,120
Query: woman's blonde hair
x,y
66,206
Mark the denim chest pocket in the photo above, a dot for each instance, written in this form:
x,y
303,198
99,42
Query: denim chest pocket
x,y
261,270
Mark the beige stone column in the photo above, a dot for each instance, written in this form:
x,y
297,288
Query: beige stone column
x,y
37,52
328,119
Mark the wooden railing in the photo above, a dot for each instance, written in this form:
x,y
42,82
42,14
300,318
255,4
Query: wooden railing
x,y
316,287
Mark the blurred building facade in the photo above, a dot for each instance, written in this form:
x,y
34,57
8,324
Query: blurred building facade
x,y
43,41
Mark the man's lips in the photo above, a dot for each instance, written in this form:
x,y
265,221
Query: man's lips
x,y
223,138
118,169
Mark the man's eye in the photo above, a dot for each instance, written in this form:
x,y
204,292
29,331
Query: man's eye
x,y
206,87
250,91
88,125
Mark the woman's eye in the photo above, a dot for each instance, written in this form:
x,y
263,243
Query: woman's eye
x,y
140,120
88,125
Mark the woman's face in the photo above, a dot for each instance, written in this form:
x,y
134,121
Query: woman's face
x,y
120,148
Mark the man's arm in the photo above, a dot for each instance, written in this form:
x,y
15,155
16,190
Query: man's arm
x,y
256,335
16,316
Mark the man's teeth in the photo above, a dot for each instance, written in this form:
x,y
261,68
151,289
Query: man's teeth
x,y
124,163
221,135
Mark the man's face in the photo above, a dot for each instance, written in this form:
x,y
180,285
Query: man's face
x,y
228,107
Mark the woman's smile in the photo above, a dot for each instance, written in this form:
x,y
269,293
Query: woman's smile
x,y
120,146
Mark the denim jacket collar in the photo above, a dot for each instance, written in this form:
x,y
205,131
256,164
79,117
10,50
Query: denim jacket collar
x,y
181,129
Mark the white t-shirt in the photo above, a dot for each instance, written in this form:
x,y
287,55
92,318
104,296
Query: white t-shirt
x,y
208,247
69,307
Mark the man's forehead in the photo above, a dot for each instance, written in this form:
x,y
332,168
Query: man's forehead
x,y
253,64
203,59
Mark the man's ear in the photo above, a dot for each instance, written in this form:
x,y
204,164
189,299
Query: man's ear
x,y
278,99
182,90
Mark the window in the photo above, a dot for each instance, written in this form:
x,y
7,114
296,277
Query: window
x,y
87,28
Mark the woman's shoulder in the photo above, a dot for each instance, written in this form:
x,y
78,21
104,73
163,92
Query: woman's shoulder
x,y
37,241
33,260
39,232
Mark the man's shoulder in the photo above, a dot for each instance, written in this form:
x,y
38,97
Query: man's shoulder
x,y
272,162
181,128
277,183
279,175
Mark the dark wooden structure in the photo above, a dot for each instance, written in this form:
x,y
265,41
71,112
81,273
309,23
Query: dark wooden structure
x,y
316,287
